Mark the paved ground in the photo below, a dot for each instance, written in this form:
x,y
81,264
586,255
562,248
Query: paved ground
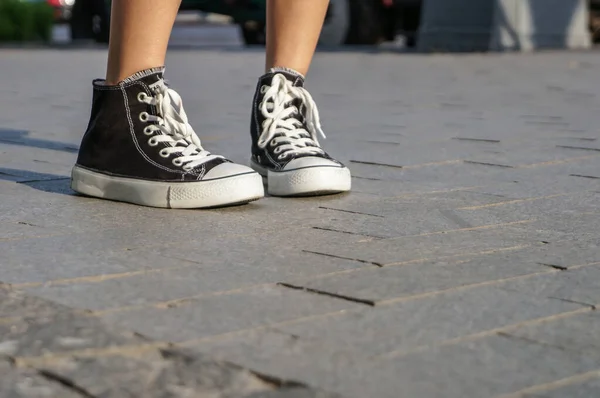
x,y
464,264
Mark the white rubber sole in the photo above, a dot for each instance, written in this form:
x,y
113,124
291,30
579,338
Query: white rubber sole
x,y
309,181
238,189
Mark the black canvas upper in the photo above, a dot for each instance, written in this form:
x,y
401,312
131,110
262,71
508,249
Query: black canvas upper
x,y
266,157
114,142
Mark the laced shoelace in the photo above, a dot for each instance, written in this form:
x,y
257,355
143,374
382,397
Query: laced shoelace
x,y
290,130
174,128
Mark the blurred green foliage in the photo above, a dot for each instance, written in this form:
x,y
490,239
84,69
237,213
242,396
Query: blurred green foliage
x,y
25,20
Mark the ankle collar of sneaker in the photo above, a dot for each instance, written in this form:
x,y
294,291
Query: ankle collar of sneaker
x,y
287,70
143,73
99,83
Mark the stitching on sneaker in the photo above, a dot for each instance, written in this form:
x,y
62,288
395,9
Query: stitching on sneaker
x,y
134,138
143,73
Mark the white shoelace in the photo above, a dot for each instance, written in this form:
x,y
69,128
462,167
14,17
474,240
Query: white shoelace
x,y
172,123
281,128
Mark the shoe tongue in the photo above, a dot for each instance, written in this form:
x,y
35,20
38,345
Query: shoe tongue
x,y
296,78
148,76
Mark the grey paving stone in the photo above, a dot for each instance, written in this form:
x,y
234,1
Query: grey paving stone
x,y
488,367
55,351
185,279
324,352
454,244
218,314
26,383
577,285
576,333
584,389
376,284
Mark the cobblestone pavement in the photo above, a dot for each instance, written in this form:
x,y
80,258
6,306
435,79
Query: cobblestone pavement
x,y
465,263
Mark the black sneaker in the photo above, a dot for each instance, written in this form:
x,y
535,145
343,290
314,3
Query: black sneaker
x,y
285,148
140,148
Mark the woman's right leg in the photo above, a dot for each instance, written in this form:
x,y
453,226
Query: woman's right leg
x,y
139,146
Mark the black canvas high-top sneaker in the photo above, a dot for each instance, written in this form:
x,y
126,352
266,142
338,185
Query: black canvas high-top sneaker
x,y
140,148
285,147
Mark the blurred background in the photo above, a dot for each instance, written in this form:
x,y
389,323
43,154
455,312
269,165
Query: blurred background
x,y
223,22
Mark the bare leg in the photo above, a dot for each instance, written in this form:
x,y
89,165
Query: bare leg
x,y
293,28
139,34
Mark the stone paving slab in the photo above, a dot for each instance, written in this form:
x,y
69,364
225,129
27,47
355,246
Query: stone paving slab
x,y
51,350
465,263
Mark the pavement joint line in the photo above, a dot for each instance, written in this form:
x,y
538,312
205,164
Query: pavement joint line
x,y
440,163
350,211
340,231
488,164
32,237
483,252
180,301
581,148
460,189
115,350
409,167
479,335
518,201
585,176
487,140
555,162
352,299
95,278
485,283
488,226
553,385
345,258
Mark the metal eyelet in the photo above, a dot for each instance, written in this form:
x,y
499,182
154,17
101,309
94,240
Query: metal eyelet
x,y
142,96
152,142
177,162
144,116
281,157
148,130
263,89
273,142
163,153
277,150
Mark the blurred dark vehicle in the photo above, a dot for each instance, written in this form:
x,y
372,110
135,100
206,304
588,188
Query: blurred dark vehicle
x,y
595,20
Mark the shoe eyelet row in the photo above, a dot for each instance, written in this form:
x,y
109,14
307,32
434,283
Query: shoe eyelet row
x,y
142,96
163,153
